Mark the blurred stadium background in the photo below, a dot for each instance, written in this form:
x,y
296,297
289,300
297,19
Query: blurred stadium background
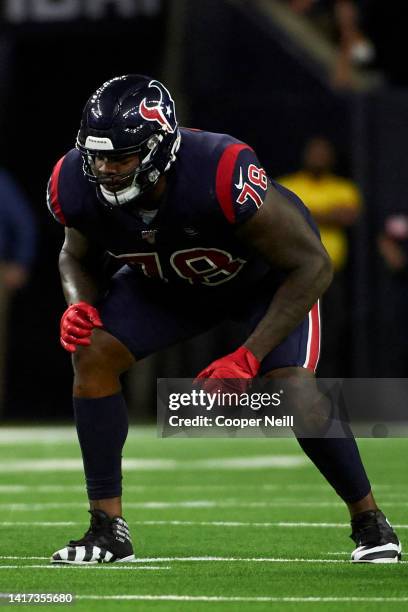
x,y
265,71
246,520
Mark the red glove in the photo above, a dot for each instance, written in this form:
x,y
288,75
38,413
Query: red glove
x,y
241,364
77,324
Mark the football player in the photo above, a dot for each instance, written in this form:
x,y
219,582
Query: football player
x,y
203,235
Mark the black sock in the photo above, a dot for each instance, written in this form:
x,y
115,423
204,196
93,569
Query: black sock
x,y
338,459
102,426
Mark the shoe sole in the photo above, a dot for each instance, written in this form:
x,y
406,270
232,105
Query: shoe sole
x,y
128,559
392,560
394,552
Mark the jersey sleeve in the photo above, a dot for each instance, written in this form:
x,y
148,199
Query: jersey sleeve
x,y
53,194
241,183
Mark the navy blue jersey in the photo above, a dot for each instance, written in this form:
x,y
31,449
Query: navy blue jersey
x,y
215,184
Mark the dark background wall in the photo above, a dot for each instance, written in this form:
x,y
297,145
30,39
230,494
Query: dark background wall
x,y
53,68
242,81
234,77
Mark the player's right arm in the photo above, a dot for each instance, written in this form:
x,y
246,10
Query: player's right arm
x,y
75,262
79,282
80,289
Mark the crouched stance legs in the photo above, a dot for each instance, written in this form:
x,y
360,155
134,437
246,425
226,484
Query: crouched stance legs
x,y
338,459
101,417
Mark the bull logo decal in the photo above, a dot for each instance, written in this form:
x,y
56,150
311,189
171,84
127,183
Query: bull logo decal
x,y
157,112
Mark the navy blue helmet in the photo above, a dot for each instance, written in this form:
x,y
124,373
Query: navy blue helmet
x,y
131,114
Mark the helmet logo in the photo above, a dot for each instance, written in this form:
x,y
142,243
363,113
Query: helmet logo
x,y
156,112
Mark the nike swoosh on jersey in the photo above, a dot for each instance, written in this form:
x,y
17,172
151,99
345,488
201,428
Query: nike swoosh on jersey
x,y
240,184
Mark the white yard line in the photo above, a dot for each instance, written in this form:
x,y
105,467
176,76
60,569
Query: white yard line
x,y
192,503
215,598
62,434
39,523
74,465
159,505
250,524
277,501
190,524
235,559
223,463
191,560
36,435
243,599
24,488
16,558
205,559
106,566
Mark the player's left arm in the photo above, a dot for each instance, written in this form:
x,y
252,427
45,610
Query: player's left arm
x,y
281,235
274,228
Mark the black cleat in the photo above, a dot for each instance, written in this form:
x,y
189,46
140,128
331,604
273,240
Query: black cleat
x,y
375,538
106,541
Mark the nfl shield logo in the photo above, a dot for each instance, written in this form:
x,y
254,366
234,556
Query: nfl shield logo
x,y
149,235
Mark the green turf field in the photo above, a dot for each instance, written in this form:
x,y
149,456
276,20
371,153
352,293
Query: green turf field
x,y
220,525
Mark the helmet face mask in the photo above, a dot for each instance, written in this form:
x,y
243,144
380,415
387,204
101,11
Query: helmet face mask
x,y
118,185
128,116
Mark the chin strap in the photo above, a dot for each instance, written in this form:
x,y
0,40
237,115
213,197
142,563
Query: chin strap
x,y
128,194
124,196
